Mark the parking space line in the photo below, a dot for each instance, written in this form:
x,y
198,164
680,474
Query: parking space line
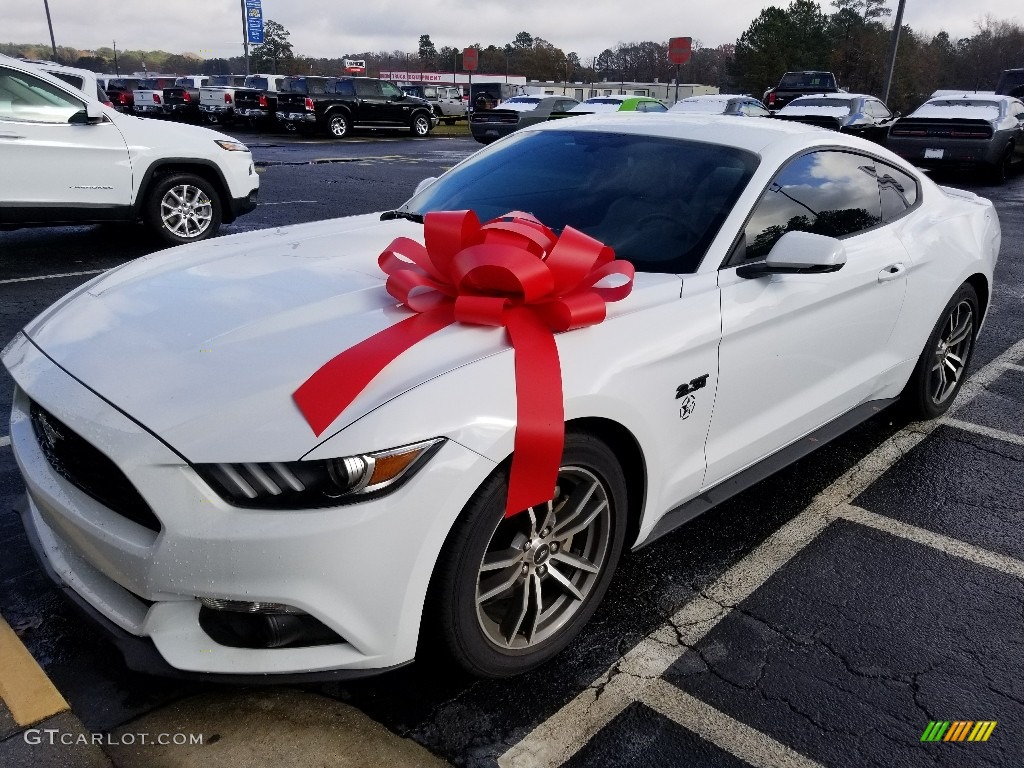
x,y
1015,367
562,735
954,547
24,687
746,743
50,277
978,429
5,440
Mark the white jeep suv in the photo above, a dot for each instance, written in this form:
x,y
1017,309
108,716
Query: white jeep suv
x,y
67,158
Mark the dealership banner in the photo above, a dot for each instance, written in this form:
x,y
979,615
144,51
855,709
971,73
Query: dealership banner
x,y
254,21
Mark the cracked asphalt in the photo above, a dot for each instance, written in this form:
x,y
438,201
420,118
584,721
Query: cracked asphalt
x,y
823,617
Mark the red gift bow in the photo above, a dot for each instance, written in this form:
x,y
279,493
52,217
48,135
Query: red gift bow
x,y
512,272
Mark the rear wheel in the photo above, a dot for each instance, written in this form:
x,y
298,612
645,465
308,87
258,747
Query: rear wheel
x,y
420,125
510,593
1000,172
941,369
338,125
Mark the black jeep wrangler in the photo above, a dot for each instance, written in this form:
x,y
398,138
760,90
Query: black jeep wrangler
x,y
336,105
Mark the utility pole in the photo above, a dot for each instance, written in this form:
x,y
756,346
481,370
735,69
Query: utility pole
x,y
116,70
894,43
245,38
49,23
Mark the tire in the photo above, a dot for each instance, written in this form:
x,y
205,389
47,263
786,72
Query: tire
x,y
338,125
290,127
420,125
183,208
495,636
212,119
999,173
941,369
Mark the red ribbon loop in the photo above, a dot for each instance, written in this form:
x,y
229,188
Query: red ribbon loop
x,y
512,272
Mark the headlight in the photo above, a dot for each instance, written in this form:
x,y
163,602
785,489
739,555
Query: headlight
x,y
316,484
232,146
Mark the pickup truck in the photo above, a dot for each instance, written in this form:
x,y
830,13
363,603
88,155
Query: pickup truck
x,y
794,84
336,105
447,100
257,101
149,97
217,98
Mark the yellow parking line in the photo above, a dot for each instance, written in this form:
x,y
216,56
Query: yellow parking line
x,y
24,687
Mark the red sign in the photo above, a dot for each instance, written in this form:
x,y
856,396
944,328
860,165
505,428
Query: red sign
x,y
469,59
679,50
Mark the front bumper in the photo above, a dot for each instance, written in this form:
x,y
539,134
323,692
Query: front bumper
x,y
361,570
243,205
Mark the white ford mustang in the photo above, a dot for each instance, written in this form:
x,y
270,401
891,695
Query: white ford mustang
x,y
199,488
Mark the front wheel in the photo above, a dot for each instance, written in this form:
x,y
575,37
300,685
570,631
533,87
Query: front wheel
x,y
183,208
941,369
510,593
420,125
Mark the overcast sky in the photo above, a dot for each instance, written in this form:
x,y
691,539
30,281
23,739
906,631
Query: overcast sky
x,y
213,27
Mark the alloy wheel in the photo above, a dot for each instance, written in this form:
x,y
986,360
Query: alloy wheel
x,y
186,211
541,565
951,353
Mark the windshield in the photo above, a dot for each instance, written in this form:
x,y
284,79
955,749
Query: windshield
x,y
259,83
807,80
523,100
658,202
805,102
705,106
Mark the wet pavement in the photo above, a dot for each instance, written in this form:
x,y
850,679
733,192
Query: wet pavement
x,y
825,616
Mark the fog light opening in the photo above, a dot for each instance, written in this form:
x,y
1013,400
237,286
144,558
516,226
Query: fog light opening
x,y
240,624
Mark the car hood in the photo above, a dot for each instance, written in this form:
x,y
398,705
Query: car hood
x,y
205,344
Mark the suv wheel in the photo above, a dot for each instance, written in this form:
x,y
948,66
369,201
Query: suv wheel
x,y
420,125
338,125
183,208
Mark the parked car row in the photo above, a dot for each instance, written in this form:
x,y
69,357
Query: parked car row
x,y
981,131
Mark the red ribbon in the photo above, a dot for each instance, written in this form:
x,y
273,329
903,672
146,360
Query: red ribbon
x,y
512,272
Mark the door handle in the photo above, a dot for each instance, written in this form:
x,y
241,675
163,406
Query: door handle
x,y
892,272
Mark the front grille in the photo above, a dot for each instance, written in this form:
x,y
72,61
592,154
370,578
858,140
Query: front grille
x,y
82,465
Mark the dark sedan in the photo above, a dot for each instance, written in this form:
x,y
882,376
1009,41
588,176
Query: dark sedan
x,y
855,113
515,113
975,130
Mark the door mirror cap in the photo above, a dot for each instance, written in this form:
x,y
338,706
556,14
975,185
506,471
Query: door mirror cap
x,y
424,184
802,253
91,115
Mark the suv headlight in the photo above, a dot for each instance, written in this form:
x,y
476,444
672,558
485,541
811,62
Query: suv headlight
x,y
317,484
231,146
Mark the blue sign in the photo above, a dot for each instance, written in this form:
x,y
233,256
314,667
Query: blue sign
x,y
254,21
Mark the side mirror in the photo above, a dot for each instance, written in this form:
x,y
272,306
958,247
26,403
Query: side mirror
x,y
424,184
91,115
799,253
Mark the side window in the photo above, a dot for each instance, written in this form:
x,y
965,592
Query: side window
x,y
898,191
391,91
24,98
345,88
828,193
653,106
367,89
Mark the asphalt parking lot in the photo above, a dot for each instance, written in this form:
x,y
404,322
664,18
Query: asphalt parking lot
x,y
826,616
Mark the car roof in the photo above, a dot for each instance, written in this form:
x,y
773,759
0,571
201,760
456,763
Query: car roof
x,y
36,70
954,96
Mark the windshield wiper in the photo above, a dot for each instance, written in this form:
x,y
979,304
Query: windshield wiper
x,y
399,214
